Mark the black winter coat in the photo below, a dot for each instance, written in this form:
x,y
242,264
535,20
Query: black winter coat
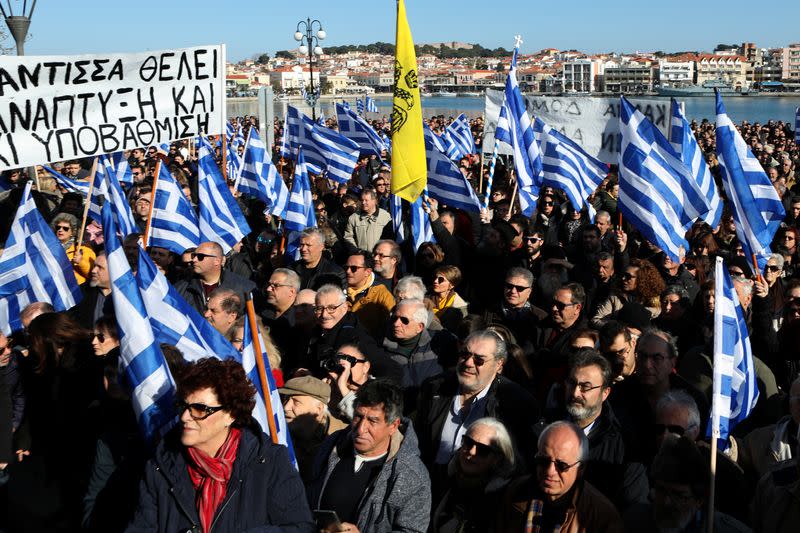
x,y
264,494
192,289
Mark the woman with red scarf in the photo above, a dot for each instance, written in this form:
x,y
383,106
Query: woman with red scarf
x,y
217,471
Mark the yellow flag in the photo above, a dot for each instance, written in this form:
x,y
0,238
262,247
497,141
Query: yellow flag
x,y
409,167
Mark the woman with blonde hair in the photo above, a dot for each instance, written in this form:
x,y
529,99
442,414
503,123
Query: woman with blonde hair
x,y
448,306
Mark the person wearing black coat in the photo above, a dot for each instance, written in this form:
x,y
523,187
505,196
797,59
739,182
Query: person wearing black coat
x,y
264,488
193,292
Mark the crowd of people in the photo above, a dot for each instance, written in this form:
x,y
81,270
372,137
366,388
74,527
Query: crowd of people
x,y
543,373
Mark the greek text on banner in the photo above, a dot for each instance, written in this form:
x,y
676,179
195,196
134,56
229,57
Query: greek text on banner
x,y
62,107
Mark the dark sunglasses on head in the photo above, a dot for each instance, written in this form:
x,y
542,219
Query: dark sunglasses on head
x,y
197,411
481,450
519,288
659,429
544,462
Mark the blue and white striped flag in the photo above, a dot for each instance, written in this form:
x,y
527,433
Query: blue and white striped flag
x,y
568,167
122,169
396,210
360,106
230,130
430,136
285,148
142,365
371,106
346,104
260,178
735,391
260,410
685,144
324,148
300,213
33,267
460,140
107,189
238,139
446,183
387,141
514,127
174,223
359,131
67,183
657,192
756,206
321,118
797,125
420,224
233,164
221,219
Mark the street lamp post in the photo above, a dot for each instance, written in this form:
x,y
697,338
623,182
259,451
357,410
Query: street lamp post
x,y
305,31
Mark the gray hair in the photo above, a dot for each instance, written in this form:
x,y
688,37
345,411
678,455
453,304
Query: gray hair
x,y
681,399
501,442
412,286
779,260
420,313
519,272
603,214
583,445
72,220
500,349
329,288
314,233
672,344
395,248
291,277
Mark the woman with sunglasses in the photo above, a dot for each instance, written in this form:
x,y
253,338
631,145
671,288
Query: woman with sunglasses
x,y
217,470
640,282
477,475
448,306
65,226
105,339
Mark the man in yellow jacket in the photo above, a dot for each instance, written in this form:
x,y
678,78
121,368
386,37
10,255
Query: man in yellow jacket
x,y
370,302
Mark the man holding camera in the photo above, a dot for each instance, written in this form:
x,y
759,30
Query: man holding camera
x,y
348,370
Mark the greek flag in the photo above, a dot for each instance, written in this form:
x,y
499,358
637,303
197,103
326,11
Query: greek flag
x,y
685,144
142,365
396,210
797,125
33,267
174,223
460,140
122,169
325,149
360,106
174,321
756,206
420,224
321,118
359,131
239,139
69,184
221,220
285,148
387,141
515,129
430,137
372,107
566,166
446,183
260,411
233,164
300,212
107,189
345,105
735,392
657,192
230,131
259,177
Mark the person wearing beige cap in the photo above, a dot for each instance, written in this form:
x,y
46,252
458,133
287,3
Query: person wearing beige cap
x,y
305,404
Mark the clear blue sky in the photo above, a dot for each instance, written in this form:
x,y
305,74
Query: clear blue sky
x,y
252,26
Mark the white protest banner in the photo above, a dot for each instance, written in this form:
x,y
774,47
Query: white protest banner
x,y
62,107
590,121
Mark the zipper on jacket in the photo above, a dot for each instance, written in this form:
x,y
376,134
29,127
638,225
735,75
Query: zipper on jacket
x,y
224,505
177,500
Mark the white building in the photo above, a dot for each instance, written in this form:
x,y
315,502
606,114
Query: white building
x,y
675,73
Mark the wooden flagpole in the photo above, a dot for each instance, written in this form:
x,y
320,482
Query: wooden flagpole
x,y
262,370
146,235
86,207
224,149
712,485
511,205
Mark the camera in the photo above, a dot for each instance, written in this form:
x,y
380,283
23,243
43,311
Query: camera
x,y
331,364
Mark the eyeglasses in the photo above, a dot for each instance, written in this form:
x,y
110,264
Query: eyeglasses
x,y
404,319
349,358
584,387
200,257
547,203
319,309
544,462
533,239
518,288
440,279
481,450
198,411
100,336
773,268
273,285
381,256
561,305
478,359
627,276
659,429
380,185
353,268
63,228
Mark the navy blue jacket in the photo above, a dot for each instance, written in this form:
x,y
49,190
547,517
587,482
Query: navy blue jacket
x,y
264,494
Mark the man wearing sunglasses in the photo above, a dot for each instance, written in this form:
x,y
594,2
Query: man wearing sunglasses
x,y
371,302
450,402
207,275
556,497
